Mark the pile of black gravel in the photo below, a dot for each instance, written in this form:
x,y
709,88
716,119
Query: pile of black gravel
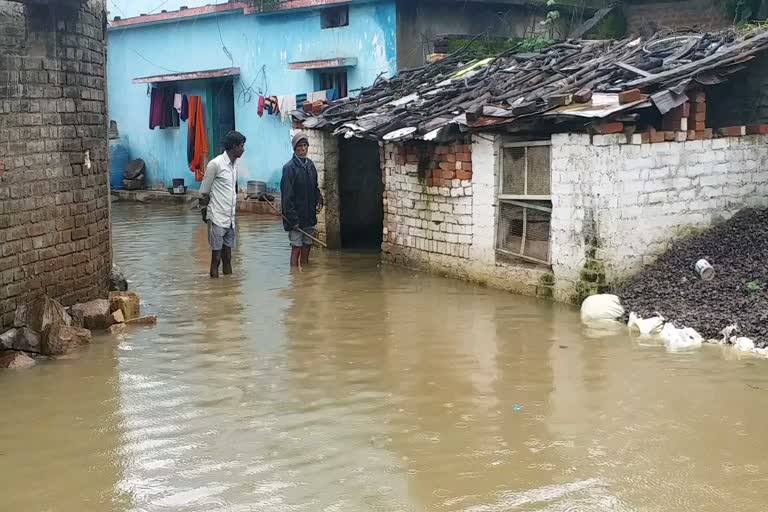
x,y
738,250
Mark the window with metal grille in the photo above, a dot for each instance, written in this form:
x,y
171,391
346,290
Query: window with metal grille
x,y
525,206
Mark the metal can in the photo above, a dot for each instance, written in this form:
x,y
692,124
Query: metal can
x,y
705,270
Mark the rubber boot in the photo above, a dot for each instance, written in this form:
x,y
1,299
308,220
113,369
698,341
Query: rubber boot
x,y
226,260
215,260
305,254
295,254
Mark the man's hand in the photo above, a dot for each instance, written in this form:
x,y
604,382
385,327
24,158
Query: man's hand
x,y
203,202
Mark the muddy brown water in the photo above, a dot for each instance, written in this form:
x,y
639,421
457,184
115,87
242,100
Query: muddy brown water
x,y
356,387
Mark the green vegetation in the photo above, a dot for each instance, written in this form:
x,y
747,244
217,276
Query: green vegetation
x,y
740,11
753,286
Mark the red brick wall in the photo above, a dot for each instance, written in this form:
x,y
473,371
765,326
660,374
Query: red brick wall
x,y
54,204
650,16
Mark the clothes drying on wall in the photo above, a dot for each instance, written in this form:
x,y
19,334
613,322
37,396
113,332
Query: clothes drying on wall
x,y
197,138
161,109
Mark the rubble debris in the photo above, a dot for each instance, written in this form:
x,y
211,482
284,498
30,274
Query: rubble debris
x,y
117,317
116,329
62,339
96,314
739,295
42,314
117,280
16,361
127,302
143,320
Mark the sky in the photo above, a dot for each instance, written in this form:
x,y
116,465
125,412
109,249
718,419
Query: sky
x,y
129,8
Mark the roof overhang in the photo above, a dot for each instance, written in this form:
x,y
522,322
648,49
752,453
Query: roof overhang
x,y
195,75
338,62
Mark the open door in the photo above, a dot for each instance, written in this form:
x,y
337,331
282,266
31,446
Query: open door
x,y
361,194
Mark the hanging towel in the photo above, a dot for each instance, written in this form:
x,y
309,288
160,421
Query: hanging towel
x,y
287,105
197,143
156,108
261,106
167,119
177,102
184,114
272,105
332,94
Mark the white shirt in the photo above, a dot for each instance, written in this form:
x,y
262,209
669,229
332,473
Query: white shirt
x,y
220,182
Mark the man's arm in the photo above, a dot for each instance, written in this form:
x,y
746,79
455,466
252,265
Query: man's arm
x,y
286,197
205,188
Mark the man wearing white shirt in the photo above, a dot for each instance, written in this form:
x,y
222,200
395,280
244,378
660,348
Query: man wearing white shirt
x,y
219,202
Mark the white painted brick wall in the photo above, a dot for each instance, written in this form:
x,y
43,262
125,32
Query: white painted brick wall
x,y
638,198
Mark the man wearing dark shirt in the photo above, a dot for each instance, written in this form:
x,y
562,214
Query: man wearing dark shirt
x,y
301,199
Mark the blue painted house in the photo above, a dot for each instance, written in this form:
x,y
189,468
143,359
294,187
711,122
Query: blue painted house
x,y
230,55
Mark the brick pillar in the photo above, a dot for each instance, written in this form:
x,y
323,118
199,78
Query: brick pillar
x,y
54,186
324,152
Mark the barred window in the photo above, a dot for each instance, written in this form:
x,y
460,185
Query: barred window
x,y
525,205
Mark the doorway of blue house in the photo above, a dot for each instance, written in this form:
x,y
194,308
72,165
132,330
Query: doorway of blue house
x,y
361,194
222,113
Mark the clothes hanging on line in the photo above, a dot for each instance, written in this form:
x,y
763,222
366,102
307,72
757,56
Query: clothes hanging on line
x,y
287,105
260,110
155,108
272,105
197,141
177,98
332,94
184,114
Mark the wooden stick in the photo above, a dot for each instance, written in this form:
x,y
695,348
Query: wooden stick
x,y
323,244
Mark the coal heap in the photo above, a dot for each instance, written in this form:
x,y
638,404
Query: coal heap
x,y
738,250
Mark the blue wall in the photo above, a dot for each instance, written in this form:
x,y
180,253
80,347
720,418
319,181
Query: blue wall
x,y
270,42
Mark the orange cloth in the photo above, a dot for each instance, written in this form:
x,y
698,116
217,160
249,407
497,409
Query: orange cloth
x,y
197,138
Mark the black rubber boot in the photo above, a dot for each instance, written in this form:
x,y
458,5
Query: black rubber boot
x,y
226,260
215,260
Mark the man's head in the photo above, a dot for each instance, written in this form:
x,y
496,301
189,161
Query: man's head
x,y
300,145
234,144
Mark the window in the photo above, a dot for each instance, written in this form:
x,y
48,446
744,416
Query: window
x,y
335,17
525,206
335,80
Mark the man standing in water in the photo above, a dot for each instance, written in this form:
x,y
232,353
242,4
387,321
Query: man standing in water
x,y
301,200
219,202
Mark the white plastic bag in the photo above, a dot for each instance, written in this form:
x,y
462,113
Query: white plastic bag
x,y
646,326
680,339
598,308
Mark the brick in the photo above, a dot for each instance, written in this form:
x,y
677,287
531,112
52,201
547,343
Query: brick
x,y
691,135
704,134
732,131
681,136
656,136
669,136
447,166
448,175
630,96
464,157
450,157
757,129
464,175
583,96
700,125
698,117
697,97
639,138
608,128
698,108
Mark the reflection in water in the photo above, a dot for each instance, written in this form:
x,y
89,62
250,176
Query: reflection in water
x,y
352,387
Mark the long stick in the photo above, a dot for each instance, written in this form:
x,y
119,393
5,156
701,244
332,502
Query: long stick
x,y
300,230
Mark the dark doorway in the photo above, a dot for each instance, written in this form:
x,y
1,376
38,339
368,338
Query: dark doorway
x,y
223,95
361,194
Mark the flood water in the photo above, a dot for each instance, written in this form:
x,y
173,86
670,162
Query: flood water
x,y
356,387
